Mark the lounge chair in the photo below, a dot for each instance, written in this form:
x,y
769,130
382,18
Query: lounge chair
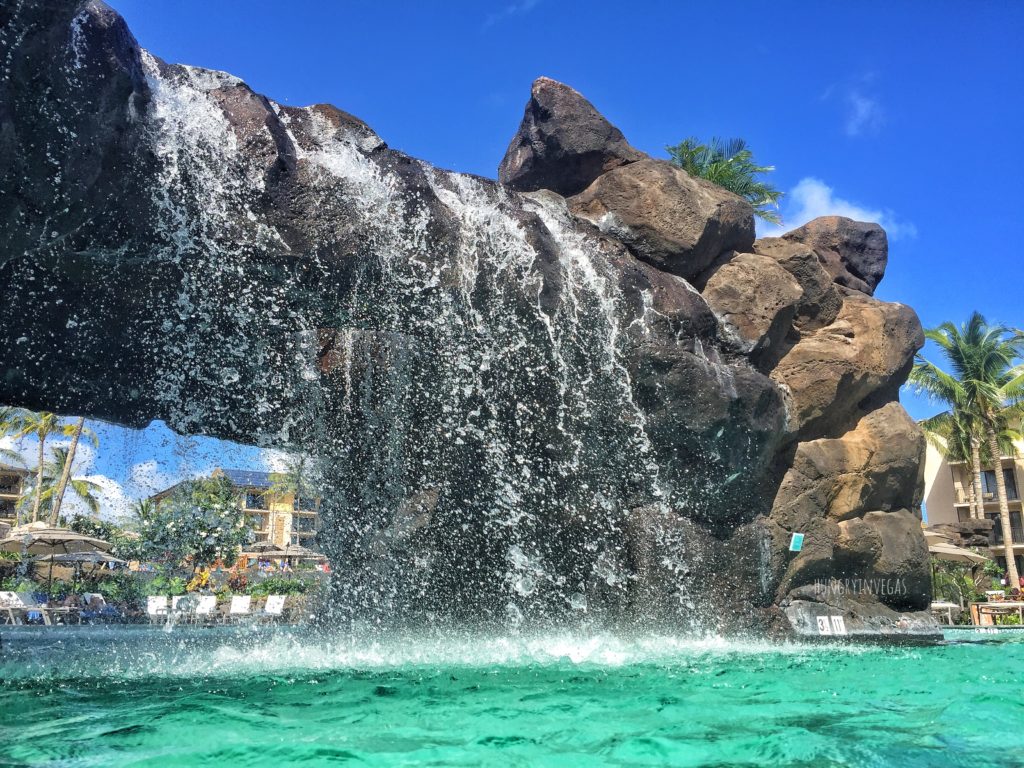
x,y
156,608
273,608
206,608
241,606
48,614
183,608
96,608
11,608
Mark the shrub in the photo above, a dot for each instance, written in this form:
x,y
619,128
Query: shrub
x,y
278,585
166,585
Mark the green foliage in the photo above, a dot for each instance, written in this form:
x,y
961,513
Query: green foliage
x,y
118,589
1011,619
43,483
955,582
982,379
201,522
729,163
126,545
278,585
992,570
166,585
18,584
298,480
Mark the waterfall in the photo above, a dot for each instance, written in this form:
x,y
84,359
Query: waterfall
x,y
475,427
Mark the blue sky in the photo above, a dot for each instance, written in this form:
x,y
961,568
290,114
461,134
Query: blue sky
x,y
907,113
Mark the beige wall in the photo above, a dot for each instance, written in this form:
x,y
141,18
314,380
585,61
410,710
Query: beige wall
x,y
939,494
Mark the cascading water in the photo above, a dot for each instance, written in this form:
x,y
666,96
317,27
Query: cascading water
x,y
473,423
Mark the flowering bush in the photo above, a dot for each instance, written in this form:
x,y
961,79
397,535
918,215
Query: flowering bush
x,y
200,522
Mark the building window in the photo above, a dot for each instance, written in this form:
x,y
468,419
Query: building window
x,y
1016,528
255,500
304,524
988,483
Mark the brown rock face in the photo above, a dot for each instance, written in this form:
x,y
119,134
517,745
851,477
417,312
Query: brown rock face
x,y
563,143
756,297
864,354
820,300
665,217
875,466
854,252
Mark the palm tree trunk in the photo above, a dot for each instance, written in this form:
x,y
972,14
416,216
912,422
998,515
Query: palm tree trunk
x,y
978,508
65,474
39,479
1004,508
972,500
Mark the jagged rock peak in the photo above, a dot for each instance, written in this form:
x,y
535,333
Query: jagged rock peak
x,y
855,253
563,143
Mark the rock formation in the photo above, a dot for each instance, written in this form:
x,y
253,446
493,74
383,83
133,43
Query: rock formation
x,y
585,393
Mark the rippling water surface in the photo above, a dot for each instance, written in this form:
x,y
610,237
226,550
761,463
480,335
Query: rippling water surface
x,y
145,697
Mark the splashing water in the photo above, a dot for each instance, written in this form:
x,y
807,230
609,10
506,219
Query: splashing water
x,y
473,418
94,695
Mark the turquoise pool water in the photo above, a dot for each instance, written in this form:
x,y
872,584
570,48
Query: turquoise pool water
x,y
140,697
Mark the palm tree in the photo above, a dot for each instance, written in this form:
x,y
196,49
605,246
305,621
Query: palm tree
x,y
954,435
985,386
21,422
145,510
729,163
294,481
78,429
53,471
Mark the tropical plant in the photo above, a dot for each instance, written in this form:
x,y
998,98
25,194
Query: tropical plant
x,y
200,522
123,589
296,481
77,430
278,585
165,585
20,423
729,163
985,387
43,499
955,582
144,510
954,434
124,544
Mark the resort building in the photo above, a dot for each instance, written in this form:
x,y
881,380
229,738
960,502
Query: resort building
x,y
948,496
12,482
276,516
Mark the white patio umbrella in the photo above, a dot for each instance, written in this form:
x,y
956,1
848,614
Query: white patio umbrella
x,y
934,537
956,554
40,539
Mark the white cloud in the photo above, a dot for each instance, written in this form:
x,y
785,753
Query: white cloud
x,y
516,8
864,114
28,449
149,477
274,460
22,448
812,198
114,502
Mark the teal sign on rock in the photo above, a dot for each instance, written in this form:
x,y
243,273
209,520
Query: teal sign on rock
x,y
796,543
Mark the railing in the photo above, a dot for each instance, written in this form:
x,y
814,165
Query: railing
x,y
1016,532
